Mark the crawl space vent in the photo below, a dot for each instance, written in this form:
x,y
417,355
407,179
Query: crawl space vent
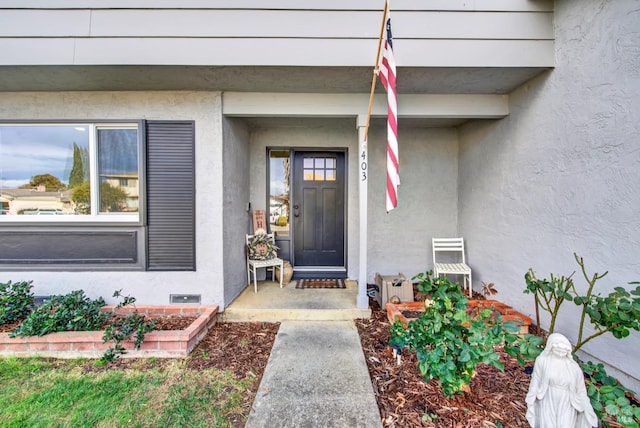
x,y
184,298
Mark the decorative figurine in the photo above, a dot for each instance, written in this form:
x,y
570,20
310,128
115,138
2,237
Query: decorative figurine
x,y
557,396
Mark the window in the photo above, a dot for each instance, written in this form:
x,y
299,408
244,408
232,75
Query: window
x,y
69,172
279,191
319,169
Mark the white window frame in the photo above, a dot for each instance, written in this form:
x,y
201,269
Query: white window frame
x,y
95,216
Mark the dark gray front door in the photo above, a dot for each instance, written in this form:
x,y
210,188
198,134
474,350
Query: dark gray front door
x,y
318,209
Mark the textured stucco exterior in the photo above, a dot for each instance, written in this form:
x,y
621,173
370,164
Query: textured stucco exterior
x,y
561,173
236,196
401,240
148,287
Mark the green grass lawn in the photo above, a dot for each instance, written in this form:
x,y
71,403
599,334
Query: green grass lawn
x,y
74,393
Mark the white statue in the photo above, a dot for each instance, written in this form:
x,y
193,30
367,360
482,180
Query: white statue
x,y
557,396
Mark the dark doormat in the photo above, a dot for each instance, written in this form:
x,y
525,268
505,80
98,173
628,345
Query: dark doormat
x,y
320,283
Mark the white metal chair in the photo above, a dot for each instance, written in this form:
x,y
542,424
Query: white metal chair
x,y
253,265
457,267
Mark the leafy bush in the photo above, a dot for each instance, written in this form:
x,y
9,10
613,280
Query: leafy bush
x,y
70,312
16,301
122,329
609,398
617,313
449,340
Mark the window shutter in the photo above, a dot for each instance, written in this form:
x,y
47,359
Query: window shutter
x,y
170,202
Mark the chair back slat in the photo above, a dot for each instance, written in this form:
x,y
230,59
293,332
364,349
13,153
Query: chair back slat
x,y
450,245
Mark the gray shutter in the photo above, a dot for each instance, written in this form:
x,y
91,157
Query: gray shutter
x,y
170,202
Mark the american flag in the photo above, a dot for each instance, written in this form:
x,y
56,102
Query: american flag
x,y
387,74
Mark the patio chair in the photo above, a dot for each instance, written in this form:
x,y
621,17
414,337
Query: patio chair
x,y
444,266
254,264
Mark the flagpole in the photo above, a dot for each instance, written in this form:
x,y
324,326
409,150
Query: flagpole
x,y
363,298
375,70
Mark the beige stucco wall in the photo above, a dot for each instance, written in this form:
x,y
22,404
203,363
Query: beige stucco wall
x,y
147,287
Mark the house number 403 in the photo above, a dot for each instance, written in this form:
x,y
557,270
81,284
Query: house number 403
x,y
363,166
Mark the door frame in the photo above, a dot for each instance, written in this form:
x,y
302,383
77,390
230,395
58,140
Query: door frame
x,y
315,271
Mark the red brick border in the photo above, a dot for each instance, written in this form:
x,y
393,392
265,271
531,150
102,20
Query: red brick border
x,y
394,311
162,344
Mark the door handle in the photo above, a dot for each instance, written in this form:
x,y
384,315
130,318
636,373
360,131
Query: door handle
x,y
296,213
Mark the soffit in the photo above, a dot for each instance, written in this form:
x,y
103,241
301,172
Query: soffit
x,y
261,79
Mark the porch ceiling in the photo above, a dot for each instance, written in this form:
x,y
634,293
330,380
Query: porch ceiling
x,y
260,79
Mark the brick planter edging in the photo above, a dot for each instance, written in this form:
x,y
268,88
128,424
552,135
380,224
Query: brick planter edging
x,y
394,311
89,344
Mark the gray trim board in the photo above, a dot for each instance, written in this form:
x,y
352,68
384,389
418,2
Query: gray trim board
x,y
69,247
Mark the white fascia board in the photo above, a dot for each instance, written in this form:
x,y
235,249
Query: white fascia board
x,y
252,104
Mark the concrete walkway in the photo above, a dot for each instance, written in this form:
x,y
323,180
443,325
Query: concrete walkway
x,y
316,376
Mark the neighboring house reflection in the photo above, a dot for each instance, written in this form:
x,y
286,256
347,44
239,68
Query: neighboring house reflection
x,y
37,201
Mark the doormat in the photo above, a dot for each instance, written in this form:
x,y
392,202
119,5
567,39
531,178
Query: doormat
x,y
320,283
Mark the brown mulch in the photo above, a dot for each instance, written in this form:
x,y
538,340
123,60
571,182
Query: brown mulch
x,y
243,348
9,327
496,399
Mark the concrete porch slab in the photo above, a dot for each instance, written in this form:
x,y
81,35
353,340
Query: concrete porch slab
x,y
273,304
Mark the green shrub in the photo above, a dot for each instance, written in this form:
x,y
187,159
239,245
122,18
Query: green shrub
x,y
70,312
617,313
121,329
449,341
16,301
609,398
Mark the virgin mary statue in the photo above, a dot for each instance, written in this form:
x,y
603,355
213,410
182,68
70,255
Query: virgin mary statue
x,y
557,396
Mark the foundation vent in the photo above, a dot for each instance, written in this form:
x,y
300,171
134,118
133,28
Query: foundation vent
x,y
184,298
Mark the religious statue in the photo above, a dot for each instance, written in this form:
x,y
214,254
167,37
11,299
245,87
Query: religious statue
x,y
557,396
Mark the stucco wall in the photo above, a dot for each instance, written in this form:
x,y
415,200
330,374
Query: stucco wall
x,y
147,287
235,196
561,173
400,241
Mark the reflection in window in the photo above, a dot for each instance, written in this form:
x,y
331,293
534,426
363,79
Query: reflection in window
x,y
279,174
117,165
51,169
319,169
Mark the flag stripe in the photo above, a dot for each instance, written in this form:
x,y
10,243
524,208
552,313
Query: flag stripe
x,y
387,74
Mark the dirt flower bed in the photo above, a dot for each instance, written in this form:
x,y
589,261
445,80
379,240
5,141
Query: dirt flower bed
x,y
496,398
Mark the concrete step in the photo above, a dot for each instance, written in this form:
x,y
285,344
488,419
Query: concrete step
x,y
274,304
292,314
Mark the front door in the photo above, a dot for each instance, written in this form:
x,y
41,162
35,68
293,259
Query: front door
x,y
318,211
